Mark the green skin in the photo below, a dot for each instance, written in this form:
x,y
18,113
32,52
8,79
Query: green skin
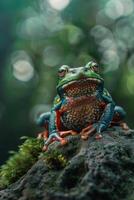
x,y
82,105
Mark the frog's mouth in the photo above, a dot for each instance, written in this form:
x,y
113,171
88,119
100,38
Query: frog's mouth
x,y
82,87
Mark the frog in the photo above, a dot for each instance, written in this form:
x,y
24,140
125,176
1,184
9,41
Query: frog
x,y
82,106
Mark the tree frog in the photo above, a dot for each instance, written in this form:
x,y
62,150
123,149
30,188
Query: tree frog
x,y
82,106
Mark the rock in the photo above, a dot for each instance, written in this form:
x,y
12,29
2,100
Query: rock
x,y
83,170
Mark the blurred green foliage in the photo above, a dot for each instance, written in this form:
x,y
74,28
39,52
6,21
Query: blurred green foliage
x,y
39,36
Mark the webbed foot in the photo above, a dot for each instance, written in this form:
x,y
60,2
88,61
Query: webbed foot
x,y
88,131
124,126
98,136
66,133
54,137
43,135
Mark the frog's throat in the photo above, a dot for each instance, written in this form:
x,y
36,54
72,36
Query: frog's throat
x,y
81,87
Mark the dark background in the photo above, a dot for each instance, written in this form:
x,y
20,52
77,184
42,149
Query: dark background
x,y
36,37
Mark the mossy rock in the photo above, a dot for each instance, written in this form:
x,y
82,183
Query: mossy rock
x,y
81,170
20,162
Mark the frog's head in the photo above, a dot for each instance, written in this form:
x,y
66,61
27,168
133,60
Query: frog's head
x,y
81,81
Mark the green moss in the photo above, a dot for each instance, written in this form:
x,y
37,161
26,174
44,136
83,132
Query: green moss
x,y
19,162
54,159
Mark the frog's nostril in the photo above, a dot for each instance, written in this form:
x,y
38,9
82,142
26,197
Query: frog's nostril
x,y
73,71
86,69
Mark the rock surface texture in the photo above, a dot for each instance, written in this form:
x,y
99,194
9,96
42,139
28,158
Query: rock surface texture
x,y
92,170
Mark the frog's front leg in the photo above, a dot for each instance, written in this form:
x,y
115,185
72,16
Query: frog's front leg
x,y
43,121
101,125
105,119
118,118
54,134
107,115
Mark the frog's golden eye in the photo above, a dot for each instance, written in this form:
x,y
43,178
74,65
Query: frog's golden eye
x,y
63,71
95,67
92,66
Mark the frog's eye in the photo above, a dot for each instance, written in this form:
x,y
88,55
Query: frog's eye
x,y
63,71
93,66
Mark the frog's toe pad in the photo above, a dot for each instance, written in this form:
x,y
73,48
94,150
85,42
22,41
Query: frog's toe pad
x,y
84,136
63,141
65,133
98,136
124,126
43,135
87,132
45,147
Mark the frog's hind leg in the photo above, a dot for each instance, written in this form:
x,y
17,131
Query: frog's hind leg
x,y
43,121
43,134
118,118
43,118
66,133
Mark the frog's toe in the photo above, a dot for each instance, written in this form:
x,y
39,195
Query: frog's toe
x,y
84,136
66,133
45,148
54,137
63,141
39,136
124,126
43,135
98,136
47,143
88,131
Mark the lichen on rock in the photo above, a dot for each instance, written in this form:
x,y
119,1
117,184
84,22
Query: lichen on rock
x,y
81,170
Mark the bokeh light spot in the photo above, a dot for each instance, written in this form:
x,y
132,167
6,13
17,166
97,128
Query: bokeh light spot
x,y
111,60
117,8
23,70
106,44
59,4
52,55
128,6
114,9
100,32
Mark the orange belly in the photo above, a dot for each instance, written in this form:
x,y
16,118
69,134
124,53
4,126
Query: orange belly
x,y
80,116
